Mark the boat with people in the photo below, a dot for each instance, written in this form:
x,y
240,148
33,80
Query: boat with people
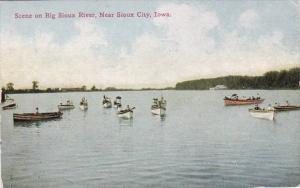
x,y
106,102
235,100
125,113
83,104
68,105
159,106
5,99
286,107
262,113
37,116
117,102
9,106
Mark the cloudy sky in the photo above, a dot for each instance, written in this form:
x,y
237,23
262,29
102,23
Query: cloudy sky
x,y
201,39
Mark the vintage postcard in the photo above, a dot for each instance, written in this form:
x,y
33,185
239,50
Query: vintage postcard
x,y
161,93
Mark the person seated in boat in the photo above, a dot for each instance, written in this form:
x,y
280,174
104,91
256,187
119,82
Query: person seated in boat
x,y
269,107
287,103
258,97
36,110
257,107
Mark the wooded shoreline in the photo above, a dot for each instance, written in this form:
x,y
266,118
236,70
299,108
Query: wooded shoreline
x,y
272,80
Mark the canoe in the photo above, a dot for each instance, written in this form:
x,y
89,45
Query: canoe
x,y
9,106
36,116
229,102
263,114
287,108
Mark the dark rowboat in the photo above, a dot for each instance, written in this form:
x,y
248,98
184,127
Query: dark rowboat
x,y
37,116
286,107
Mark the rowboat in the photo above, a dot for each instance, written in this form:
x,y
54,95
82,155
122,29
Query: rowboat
x,y
83,104
242,101
68,105
286,107
106,102
263,113
9,106
159,106
117,102
235,100
126,113
37,116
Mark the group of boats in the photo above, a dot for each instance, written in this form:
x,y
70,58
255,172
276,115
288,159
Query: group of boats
x,y
122,113
258,112
158,108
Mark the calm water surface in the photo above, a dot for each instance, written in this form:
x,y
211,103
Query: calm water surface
x,y
200,143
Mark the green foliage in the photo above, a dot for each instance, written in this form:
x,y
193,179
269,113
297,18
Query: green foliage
x,y
83,88
35,85
10,86
285,79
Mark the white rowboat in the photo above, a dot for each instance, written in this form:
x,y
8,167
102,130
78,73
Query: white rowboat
x,y
68,105
159,106
126,113
263,114
158,111
83,104
107,104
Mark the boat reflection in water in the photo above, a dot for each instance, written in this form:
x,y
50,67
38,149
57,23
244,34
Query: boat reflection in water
x,y
28,123
126,122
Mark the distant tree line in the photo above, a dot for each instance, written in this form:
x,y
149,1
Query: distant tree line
x,y
9,89
284,79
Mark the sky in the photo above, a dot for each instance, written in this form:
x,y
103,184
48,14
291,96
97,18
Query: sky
x,y
200,39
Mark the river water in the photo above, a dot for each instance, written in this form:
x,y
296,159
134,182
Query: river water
x,y
199,143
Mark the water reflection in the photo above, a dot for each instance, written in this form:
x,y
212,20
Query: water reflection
x,y
32,123
161,118
27,124
126,122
